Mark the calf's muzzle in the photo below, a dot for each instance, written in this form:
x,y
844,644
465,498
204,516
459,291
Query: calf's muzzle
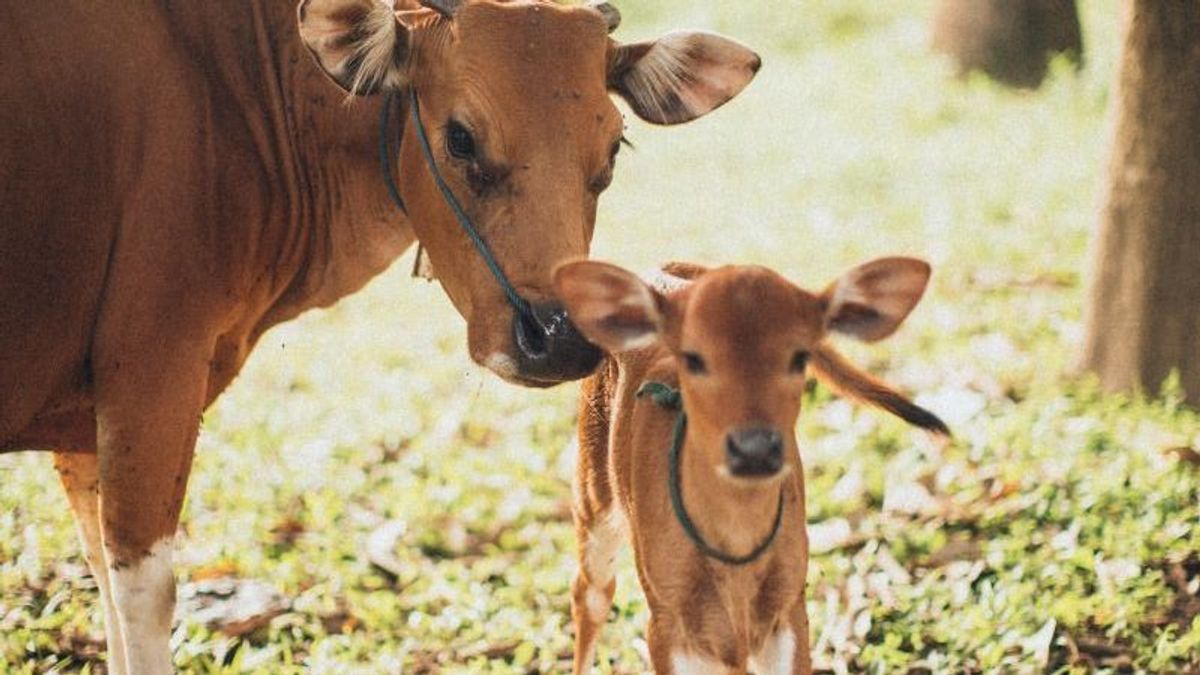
x,y
754,452
549,347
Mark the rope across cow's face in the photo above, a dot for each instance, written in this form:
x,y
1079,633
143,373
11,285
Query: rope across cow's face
x,y
545,339
522,138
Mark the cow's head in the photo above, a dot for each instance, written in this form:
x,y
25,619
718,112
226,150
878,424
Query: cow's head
x,y
515,99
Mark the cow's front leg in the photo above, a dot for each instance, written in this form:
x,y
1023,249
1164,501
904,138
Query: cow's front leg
x,y
79,475
147,416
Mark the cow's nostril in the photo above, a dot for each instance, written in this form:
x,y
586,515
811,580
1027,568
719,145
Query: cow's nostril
x,y
773,442
549,348
733,451
557,324
530,337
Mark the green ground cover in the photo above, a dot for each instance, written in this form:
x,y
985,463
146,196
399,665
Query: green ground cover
x,y
1059,532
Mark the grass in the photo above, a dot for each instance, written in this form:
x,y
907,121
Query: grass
x,y
1056,534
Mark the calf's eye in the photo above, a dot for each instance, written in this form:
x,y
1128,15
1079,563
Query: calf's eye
x,y
799,361
694,364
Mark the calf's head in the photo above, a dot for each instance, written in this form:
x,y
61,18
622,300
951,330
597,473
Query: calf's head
x,y
744,339
514,97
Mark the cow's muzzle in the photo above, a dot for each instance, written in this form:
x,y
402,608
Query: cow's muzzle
x,y
549,349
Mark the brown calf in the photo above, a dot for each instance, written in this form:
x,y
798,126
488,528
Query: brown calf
x,y
724,568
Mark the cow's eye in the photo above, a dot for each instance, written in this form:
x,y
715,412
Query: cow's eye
x,y
694,363
459,141
612,153
600,183
799,361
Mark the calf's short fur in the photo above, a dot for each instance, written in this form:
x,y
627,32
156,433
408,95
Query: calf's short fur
x,y
738,343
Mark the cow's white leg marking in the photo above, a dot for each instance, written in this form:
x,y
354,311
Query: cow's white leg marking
x,y
776,655
80,482
144,595
684,663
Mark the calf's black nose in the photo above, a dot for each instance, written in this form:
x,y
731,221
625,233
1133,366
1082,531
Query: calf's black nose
x,y
754,452
549,347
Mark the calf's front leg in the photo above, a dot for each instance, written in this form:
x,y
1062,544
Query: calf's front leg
x,y
787,651
598,539
669,657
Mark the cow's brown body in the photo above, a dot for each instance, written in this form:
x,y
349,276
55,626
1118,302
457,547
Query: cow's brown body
x,y
176,179
171,175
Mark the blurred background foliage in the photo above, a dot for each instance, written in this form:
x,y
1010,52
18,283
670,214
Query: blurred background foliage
x,y
1058,533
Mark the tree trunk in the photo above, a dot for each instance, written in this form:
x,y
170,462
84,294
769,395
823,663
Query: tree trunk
x,y
1144,306
1010,40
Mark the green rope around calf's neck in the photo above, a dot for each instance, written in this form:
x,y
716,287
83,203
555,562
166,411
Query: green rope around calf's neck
x,y
671,399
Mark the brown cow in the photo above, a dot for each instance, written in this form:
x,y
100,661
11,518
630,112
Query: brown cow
x,y
178,177
686,435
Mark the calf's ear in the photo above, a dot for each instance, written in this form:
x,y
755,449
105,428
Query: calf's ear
x,y
360,44
871,301
611,306
681,75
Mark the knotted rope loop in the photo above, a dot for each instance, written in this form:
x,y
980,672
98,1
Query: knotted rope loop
x,y
662,395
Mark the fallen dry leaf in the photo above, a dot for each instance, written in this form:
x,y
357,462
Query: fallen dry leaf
x,y
218,570
1185,454
829,534
381,547
287,531
908,498
961,548
1040,642
235,607
340,621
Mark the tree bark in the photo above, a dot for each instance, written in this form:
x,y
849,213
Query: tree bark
x,y
1010,40
1143,318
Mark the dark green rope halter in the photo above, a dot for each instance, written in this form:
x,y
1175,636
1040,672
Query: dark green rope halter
x,y
519,304
671,399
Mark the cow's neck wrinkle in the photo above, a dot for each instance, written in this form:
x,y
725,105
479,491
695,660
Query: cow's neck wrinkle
x,y
341,229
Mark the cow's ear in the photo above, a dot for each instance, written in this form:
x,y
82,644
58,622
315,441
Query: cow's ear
x,y
611,306
681,75
871,301
359,43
